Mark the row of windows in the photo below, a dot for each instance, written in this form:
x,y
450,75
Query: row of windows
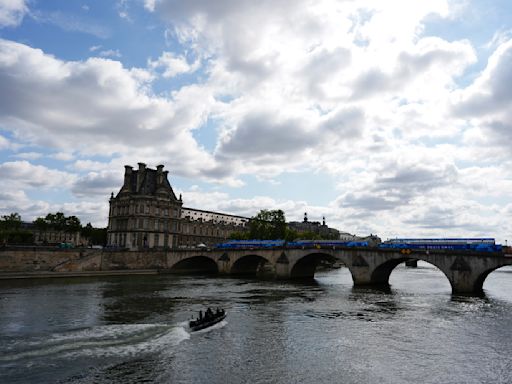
x,y
140,240
56,236
147,209
144,223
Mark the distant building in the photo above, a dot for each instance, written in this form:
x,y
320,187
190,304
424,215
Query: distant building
x,y
147,214
52,236
330,233
315,227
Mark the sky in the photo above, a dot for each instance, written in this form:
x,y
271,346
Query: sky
x,y
385,117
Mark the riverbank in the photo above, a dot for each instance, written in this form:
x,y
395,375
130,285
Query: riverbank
x,y
49,274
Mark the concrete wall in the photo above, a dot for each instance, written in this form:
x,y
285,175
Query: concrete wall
x,y
36,259
75,260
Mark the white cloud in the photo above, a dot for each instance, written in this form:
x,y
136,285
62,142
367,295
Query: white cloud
x,y
110,53
173,65
28,155
22,174
355,91
487,102
99,107
12,12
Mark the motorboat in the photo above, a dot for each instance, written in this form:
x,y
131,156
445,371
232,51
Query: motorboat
x,y
210,318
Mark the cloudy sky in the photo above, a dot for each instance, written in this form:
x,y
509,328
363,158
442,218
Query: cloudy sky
x,y
388,117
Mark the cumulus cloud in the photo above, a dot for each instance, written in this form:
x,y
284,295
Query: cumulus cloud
x,y
22,174
353,90
488,100
99,107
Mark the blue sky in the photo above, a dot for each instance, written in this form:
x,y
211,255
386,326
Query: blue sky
x,y
385,117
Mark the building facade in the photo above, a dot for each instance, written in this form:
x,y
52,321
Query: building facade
x,y
315,227
147,214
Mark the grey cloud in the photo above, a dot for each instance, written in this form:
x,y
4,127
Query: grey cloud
x,y
400,189
102,183
436,218
418,178
408,67
323,66
489,99
262,134
345,124
492,91
369,202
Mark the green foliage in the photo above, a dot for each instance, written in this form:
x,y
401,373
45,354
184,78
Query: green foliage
x,y
11,232
11,221
59,222
268,225
239,236
96,236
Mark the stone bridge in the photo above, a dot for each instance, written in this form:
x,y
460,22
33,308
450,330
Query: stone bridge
x,y
466,271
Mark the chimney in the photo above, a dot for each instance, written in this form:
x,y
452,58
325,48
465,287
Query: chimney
x,y
140,175
127,177
159,174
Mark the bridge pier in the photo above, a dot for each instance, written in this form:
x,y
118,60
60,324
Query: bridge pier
x,y
463,282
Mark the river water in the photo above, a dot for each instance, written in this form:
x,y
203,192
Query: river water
x,y
132,329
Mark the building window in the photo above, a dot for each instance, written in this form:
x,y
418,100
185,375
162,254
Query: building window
x,y
157,240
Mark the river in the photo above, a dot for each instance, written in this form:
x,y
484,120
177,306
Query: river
x,y
132,329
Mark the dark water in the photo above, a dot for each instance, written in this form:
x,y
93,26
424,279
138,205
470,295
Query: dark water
x,y
133,329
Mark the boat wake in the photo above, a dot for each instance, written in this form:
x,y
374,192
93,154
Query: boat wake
x,y
97,342
220,324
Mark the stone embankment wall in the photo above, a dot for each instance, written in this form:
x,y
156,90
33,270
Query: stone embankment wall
x,y
38,259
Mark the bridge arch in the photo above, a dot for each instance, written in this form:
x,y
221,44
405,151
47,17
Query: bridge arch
x,y
195,264
251,265
478,286
305,267
381,274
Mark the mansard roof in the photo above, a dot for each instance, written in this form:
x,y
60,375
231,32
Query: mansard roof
x,y
147,182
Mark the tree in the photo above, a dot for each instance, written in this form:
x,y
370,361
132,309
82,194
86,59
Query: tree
x,y
268,225
40,224
58,221
239,236
87,230
11,221
95,236
11,231
72,224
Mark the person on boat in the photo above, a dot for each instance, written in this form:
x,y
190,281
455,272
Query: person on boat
x,y
200,315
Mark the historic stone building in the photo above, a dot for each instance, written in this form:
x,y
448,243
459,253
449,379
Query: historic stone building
x,y
147,214
314,227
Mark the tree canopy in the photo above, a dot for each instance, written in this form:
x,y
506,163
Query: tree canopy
x,y
268,225
58,221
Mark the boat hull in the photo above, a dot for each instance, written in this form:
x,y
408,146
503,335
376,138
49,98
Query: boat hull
x,y
207,324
